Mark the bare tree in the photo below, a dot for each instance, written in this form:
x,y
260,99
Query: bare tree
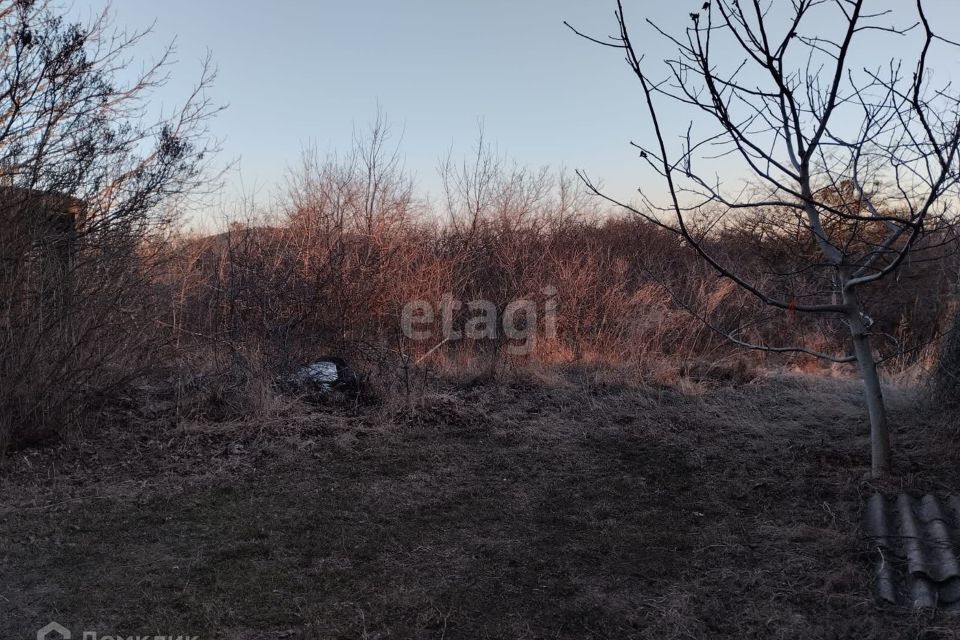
x,y
848,166
89,173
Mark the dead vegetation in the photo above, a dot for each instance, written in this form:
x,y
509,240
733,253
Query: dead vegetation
x,y
561,503
89,187
631,475
332,266
352,246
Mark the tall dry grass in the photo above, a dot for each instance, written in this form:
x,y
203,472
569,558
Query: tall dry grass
x,y
331,271
213,325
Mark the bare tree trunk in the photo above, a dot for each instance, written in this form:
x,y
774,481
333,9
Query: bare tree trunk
x,y
872,392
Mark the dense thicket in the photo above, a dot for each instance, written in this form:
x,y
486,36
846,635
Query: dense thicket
x,y
88,185
353,245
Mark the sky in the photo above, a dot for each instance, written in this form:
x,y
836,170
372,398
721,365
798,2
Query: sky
x,y
307,73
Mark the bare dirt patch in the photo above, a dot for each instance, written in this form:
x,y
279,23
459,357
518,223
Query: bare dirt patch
x,y
568,509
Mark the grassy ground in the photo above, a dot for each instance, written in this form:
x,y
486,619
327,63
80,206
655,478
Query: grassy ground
x,y
550,508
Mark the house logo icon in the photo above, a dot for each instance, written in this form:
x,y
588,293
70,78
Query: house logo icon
x,y
54,631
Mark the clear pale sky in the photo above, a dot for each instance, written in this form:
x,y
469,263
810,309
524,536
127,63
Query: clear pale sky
x,y
300,72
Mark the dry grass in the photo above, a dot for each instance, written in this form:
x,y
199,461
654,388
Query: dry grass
x,y
329,269
551,503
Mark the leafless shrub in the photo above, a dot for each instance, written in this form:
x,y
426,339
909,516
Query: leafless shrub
x,y
331,272
88,183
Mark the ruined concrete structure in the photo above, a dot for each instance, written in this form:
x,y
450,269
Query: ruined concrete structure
x,y
38,236
42,218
